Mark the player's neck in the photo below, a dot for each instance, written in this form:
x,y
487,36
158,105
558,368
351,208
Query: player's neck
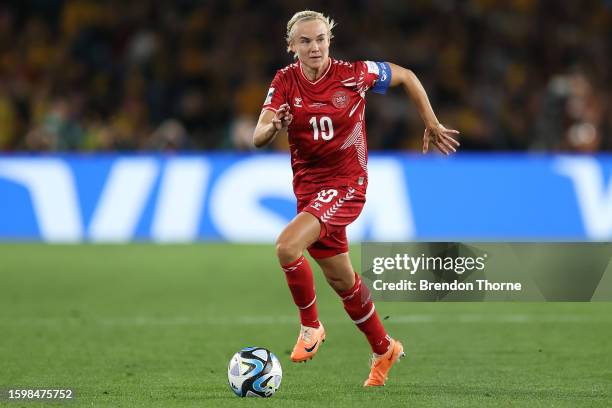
x,y
314,74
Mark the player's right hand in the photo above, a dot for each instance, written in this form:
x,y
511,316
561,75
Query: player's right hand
x,y
282,118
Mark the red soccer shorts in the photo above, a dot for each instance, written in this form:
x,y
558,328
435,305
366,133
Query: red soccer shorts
x,y
335,208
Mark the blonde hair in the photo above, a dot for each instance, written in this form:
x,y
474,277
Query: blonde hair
x,y
306,15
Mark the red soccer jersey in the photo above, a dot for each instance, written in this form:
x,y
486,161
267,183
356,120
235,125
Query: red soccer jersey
x,y
327,136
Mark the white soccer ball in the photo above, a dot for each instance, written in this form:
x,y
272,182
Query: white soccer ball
x,y
254,372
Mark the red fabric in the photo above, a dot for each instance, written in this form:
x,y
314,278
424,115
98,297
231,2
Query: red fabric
x,y
335,207
358,304
301,284
327,137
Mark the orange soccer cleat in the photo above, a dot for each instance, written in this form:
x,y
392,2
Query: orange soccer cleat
x,y
308,343
381,365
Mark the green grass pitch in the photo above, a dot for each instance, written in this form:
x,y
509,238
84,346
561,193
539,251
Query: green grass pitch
x,y
155,326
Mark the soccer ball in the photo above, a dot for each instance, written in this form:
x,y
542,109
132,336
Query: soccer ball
x,y
254,372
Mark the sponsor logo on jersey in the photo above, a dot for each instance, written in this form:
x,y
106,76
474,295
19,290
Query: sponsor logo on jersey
x,y
340,99
297,102
269,96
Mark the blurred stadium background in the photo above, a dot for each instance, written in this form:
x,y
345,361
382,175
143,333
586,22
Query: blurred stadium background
x,y
132,121
88,76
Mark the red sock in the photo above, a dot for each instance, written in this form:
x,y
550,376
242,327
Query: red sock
x,y
301,284
358,304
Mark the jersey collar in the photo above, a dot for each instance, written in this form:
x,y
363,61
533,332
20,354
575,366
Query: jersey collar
x,y
322,76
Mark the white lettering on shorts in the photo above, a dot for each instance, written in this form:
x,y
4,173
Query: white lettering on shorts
x,y
325,196
330,212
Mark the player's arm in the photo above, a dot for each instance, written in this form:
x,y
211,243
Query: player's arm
x,y
435,132
270,124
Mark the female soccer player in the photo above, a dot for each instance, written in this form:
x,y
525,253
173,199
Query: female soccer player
x,y
320,103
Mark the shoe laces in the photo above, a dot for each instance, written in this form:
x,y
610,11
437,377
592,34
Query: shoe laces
x,y
306,333
375,357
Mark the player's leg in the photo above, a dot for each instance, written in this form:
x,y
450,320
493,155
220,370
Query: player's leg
x,y
355,296
300,233
338,271
331,253
358,304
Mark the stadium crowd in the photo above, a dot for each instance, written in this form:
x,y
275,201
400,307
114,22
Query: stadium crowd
x,y
145,75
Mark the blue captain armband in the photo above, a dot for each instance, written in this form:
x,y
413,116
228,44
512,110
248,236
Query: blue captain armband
x,y
384,76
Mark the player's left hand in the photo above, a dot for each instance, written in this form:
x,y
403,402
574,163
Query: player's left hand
x,y
441,138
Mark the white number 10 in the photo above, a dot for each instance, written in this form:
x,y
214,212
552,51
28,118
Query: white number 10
x,y
327,129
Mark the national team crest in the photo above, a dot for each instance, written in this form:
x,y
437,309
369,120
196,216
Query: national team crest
x,y
340,99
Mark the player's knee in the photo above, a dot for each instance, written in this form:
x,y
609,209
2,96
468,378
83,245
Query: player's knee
x,y
287,251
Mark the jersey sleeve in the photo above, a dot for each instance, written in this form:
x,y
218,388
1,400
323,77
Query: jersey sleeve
x,y
276,95
376,75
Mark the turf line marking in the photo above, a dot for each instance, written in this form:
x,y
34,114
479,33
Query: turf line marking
x,y
291,320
